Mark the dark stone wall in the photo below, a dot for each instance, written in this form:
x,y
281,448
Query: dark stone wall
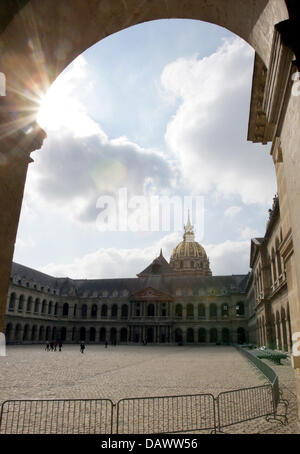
x,y
8,8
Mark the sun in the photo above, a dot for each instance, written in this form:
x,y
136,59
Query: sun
x,y
61,109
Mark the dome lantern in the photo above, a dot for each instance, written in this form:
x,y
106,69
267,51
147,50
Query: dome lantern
x,y
189,257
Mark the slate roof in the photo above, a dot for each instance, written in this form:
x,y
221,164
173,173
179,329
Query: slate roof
x,y
159,266
165,283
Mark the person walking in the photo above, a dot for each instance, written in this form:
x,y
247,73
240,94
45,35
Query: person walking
x,y
47,347
82,347
60,346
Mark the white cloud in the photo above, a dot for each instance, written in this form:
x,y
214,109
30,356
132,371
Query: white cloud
x,y
72,173
61,108
79,163
112,262
208,132
247,233
230,257
232,211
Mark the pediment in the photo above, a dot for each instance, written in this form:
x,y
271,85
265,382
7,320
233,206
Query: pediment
x,y
149,294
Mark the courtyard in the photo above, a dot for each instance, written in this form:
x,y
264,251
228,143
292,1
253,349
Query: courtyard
x,y
117,372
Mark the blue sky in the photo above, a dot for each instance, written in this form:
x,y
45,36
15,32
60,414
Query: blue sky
x,y
162,109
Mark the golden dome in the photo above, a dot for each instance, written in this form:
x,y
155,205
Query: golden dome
x,y
189,257
188,249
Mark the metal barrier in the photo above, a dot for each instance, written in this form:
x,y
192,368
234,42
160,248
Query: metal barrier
x,y
148,415
272,378
244,405
170,414
74,416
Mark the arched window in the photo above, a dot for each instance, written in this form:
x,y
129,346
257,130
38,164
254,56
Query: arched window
x,y
213,311
213,335
102,335
123,335
82,334
137,309
178,311
274,266
29,304
240,309
94,311
33,333
8,332
41,333
12,301
279,263
114,311
113,335
202,335
84,310
50,308
65,310
63,334
225,336
26,333
92,335
150,310
190,312
124,311
201,311
104,311
36,305
18,331
56,309
225,310
190,335
48,333
178,335
20,305
241,336
44,305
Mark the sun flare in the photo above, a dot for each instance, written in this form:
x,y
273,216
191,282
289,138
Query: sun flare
x,y
61,109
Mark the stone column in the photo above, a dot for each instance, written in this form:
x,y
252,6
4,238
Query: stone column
x,y
15,149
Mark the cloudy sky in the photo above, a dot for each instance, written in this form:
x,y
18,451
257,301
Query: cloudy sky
x,y
159,110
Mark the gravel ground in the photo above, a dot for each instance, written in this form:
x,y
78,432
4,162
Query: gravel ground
x,y
29,372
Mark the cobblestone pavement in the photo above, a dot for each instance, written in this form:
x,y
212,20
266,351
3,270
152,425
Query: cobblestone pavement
x,y
29,372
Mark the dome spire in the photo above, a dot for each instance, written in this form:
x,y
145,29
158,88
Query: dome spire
x,y
189,234
188,224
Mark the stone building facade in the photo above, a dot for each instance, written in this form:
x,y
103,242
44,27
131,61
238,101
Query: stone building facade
x,y
161,305
271,27
271,309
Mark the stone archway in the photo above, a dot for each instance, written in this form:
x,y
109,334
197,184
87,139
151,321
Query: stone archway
x,y
31,42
